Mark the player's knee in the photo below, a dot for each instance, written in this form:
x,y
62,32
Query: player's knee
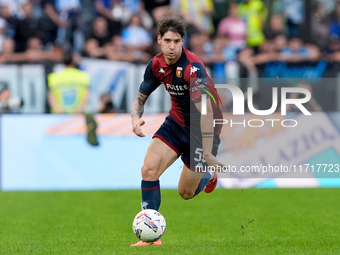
x,y
149,172
186,194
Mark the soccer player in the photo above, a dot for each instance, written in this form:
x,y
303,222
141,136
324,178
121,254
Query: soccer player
x,y
185,132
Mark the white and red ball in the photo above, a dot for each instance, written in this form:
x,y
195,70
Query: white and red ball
x,y
149,225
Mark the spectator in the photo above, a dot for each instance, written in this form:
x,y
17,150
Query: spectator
x,y
207,43
33,53
101,32
63,22
26,28
88,11
68,89
230,51
8,104
5,95
234,28
92,49
294,12
278,50
135,36
333,50
7,54
3,24
219,59
106,105
104,8
223,50
220,7
275,27
157,9
328,5
198,14
268,46
118,51
10,11
124,9
202,46
334,27
280,42
14,7
254,12
297,52
267,53
8,46
320,25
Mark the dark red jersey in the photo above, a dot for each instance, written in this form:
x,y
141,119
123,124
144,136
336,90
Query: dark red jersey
x,y
182,80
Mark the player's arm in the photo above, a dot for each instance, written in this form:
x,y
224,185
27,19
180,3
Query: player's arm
x,y
149,84
198,77
137,111
207,130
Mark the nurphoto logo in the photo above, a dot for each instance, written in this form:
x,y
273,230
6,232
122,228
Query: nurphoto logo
x,y
238,105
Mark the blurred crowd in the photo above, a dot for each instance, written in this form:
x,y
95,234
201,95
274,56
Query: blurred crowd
x,y
249,31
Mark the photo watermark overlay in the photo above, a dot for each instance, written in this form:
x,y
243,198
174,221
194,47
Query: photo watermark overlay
x,y
280,128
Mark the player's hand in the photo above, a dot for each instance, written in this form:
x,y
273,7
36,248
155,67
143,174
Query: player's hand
x,y
137,123
212,161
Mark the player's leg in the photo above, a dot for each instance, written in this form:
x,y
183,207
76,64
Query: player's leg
x,y
158,158
192,183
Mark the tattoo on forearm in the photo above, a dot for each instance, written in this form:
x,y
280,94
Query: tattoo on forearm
x,y
141,111
207,134
137,108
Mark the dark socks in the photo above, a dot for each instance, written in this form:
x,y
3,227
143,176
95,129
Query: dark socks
x,y
151,195
204,181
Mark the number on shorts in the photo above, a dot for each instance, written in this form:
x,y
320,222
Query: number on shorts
x,y
199,152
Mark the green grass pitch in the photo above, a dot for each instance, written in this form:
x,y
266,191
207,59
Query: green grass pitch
x,y
249,221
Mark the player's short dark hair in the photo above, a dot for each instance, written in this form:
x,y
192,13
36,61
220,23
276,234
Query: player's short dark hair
x,y
175,25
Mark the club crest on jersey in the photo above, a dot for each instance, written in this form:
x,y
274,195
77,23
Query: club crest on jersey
x,y
179,72
161,70
193,69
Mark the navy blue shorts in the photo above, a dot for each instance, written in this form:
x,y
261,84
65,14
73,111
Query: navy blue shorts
x,y
186,144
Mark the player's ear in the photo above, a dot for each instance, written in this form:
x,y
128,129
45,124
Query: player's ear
x,y
159,39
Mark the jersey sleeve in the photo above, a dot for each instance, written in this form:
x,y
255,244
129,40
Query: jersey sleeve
x,y
195,75
150,82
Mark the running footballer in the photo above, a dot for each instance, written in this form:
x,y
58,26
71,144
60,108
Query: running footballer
x,y
185,132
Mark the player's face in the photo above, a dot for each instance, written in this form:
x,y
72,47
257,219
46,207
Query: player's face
x,y
171,45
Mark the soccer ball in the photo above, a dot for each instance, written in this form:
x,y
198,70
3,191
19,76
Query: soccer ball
x,y
149,225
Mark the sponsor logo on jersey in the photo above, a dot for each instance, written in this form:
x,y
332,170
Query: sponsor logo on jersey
x,y
161,70
179,72
193,69
176,87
